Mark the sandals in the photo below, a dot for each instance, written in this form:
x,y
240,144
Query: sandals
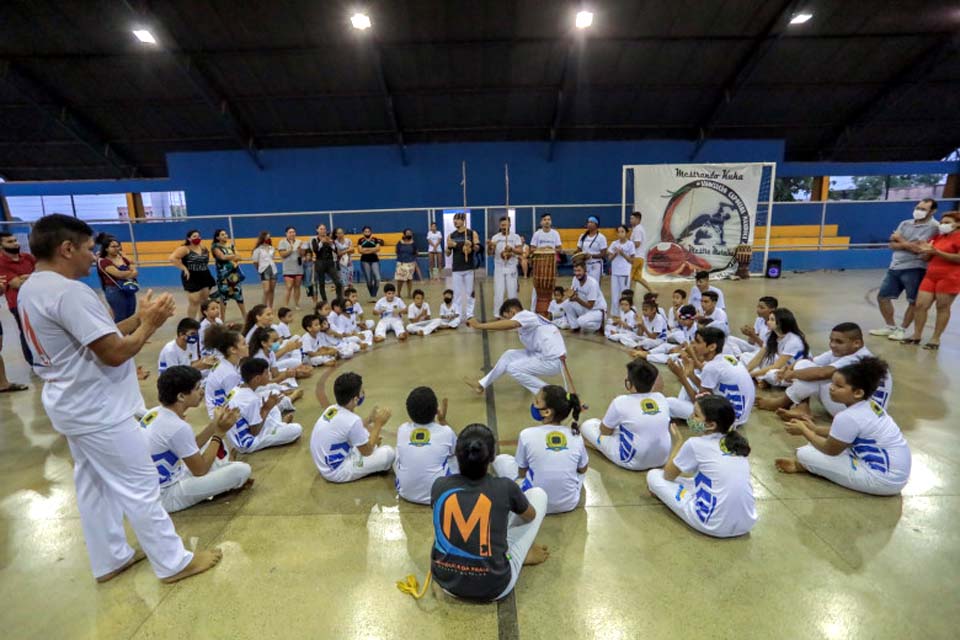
x,y
14,387
932,346
909,341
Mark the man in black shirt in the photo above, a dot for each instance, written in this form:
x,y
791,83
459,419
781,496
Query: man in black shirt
x,y
462,244
325,262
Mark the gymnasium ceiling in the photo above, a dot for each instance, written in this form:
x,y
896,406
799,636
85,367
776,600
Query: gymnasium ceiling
x,y
863,80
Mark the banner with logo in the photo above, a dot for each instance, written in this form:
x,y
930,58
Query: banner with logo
x,y
695,216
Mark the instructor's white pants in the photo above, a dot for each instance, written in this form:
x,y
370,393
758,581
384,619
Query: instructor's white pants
x,y
681,497
357,466
504,287
115,477
190,489
579,317
521,535
524,366
841,470
462,288
389,324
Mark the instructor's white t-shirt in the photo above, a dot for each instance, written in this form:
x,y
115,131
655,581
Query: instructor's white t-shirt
x,y
723,492
425,452
642,426
81,394
170,439
875,441
540,336
589,291
551,454
726,376
501,242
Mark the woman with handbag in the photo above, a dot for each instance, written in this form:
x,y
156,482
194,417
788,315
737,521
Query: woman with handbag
x,y
118,277
229,275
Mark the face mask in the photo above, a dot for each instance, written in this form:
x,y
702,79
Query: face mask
x,y
361,399
12,250
696,426
535,413
447,300
407,237
268,242
919,214
195,241
945,228
193,339
366,234
275,347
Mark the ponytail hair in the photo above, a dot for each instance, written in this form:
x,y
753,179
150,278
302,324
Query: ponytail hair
x,y
220,338
718,410
475,450
867,374
251,318
562,404
257,339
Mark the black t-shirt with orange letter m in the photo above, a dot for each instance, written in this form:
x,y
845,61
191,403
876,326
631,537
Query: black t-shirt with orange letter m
x,y
470,517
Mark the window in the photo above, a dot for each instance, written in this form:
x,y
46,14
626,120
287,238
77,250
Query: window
x,y
896,187
105,206
164,204
30,208
793,189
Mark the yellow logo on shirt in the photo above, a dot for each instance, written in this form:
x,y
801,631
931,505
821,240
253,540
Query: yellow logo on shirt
x,y
232,393
329,414
877,409
149,417
730,359
649,407
419,437
556,441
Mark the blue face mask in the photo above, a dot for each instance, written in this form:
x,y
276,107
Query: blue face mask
x,y
194,339
535,413
361,399
275,347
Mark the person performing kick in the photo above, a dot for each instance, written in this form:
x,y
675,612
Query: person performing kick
x,y
541,355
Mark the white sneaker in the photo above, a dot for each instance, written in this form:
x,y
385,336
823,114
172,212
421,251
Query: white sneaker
x,y
898,334
886,331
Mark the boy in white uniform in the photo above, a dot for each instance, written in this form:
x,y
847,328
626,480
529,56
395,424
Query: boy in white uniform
x,y
677,340
557,315
639,238
504,246
344,447
546,237
313,345
635,430
701,284
80,353
226,375
584,306
550,456
260,424
541,355
190,467
435,251
720,373
449,312
678,299
863,449
282,327
623,327
418,316
621,253
652,328
809,378
426,447
712,315
184,350
594,248
756,336
341,330
389,309
355,312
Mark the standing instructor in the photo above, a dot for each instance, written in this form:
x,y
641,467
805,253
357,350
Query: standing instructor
x,y
80,353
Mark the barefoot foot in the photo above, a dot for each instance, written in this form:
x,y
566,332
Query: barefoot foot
x,y
772,404
537,554
202,561
789,465
796,413
638,353
138,555
476,386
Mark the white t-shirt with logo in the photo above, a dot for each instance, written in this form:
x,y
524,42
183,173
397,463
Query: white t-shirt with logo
x,y
592,245
550,239
425,452
539,335
388,309
173,356
551,454
629,318
170,439
875,442
309,343
657,326
721,482
827,359
336,432
726,376
622,263
718,319
641,423
413,311
81,394
221,380
791,345
434,242
249,403
501,242
589,290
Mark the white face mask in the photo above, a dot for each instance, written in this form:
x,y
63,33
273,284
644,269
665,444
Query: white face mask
x,y
919,214
946,227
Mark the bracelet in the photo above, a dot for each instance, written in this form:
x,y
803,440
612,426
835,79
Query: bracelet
x,y
217,438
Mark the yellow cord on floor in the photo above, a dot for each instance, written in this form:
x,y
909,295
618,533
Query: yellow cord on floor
x,y
411,587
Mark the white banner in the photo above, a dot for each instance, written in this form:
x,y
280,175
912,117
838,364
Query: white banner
x,y
695,216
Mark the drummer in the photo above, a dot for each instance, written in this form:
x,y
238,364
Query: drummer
x,y
593,245
546,237
504,247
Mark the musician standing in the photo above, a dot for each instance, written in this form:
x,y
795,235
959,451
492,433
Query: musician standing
x,y
594,245
505,246
546,237
461,244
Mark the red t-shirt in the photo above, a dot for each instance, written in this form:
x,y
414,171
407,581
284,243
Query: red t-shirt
x,y
949,243
14,269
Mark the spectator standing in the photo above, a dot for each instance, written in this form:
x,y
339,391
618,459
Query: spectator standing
x,y
118,278
15,268
291,252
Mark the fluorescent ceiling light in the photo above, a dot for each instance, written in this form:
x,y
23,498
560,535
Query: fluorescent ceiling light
x,y
144,36
800,18
360,21
584,19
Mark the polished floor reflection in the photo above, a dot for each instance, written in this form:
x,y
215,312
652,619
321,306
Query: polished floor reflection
x,y
304,558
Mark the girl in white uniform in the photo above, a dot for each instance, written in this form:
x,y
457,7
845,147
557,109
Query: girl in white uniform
x,y
354,311
314,346
435,251
260,424
678,298
785,345
210,310
863,449
265,343
635,430
190,467
418,316
225,376
557,315
652,328
550,456
344,447
622,328
756,336
718,499
343,327
390,310
621,253
426,447
677,339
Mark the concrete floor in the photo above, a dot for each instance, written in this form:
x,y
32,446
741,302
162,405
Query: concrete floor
x,y
304,558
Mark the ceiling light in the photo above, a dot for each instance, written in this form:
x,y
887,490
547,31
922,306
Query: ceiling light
x,y
360,21
800,18
144,36
584,19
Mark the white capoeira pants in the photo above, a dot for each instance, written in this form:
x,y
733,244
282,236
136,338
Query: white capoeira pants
x,y
840,469
800,390
462,290
290,360
273,434
424,328
681,406
524,366
450,324
115,477
319,361
741,347
389,324
770,377
595,270
365,338
504,286
356,466
286,404
223,476
579,317
617,285
681,497
521,535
